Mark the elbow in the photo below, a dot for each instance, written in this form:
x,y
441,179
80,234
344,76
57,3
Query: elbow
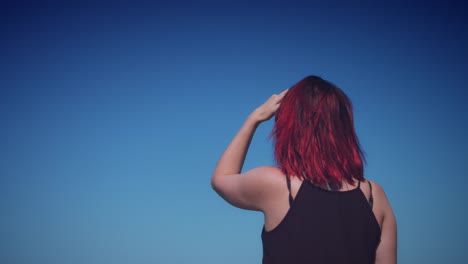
x,y
217,184
214,183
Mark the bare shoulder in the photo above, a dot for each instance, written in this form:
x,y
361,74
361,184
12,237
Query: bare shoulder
x,y
381,201
377,189
269,172
251,189
269,169
387,248
270,176
270,182
378,192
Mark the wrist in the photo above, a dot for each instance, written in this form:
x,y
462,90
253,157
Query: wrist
x,y
254,119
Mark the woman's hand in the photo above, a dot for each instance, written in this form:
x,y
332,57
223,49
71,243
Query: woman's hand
x,y
268,109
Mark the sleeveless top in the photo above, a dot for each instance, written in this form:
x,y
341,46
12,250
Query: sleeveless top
x,y
324,226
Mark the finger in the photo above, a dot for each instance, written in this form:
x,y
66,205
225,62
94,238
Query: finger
x,y
284,92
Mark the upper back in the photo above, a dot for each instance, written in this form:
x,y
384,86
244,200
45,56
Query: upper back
x,y
321,225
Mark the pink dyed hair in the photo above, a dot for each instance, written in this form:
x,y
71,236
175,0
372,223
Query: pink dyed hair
x,y
314,136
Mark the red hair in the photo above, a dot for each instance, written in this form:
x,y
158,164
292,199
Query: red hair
x,y
314,134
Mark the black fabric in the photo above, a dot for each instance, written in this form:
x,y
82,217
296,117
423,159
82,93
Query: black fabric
x,y
322,227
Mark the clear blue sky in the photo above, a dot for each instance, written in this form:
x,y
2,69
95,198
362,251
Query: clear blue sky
x,y
113,117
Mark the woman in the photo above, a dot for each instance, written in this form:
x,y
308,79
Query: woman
x,y
318,207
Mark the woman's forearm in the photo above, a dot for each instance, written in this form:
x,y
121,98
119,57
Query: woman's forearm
x,y
232,160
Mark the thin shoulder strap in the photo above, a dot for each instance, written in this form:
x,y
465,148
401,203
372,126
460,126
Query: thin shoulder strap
x,y
288,181
371,198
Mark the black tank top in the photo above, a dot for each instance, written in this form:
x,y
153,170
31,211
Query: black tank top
x,y
324,226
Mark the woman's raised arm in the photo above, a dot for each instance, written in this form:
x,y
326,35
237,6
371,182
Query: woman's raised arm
x,y
242,190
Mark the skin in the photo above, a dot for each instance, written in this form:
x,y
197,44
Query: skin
x,y
264,188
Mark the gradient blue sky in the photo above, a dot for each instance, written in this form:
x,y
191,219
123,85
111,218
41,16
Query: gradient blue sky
x,y
113,116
